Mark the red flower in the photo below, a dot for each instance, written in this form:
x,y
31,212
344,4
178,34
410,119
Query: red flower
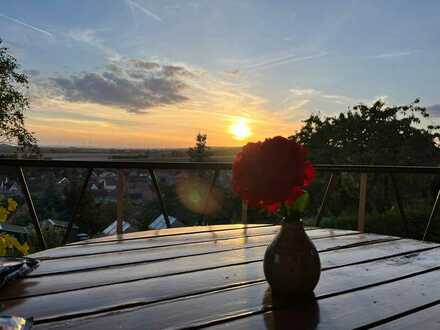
x,y
271,172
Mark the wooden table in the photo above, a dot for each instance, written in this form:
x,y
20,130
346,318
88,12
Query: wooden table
x,y
212,277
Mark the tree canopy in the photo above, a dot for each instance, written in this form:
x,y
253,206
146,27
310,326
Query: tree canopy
x,y
376,134
200,152
13,103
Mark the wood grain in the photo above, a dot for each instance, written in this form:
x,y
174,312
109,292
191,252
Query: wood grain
x,y
198,277
79,280
333,281
169,252
142,243
344,311
189,230
426,318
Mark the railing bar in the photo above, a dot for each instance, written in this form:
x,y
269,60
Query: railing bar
x,y
208,166
159,196
324,200
120,203
362,202
434,211
400,204
31,207
77,205
244,209
211,188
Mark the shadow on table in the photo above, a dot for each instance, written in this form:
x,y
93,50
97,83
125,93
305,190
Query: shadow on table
x,y
290,312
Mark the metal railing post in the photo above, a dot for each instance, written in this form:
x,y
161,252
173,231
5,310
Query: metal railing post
x,y
324,200
399,204
211,187
30,205
77,206
244,209
120,187
434,211
159,196
362,202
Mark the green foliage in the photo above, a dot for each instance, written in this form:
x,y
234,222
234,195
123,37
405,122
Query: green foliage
x,y
374,134
300,204
371,135
200,152
388,222
13,103
89,217
52,235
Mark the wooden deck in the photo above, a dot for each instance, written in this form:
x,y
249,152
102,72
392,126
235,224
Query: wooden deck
x,y
212,277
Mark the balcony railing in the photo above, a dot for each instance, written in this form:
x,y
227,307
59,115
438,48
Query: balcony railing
x,y
332,170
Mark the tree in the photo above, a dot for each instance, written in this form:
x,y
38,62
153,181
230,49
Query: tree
x,y
13,103
200,152
374,134
89,217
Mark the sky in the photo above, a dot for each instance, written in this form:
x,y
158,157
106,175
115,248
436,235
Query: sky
x,y
152,74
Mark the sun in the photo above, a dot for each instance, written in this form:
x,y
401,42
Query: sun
x,y
240,129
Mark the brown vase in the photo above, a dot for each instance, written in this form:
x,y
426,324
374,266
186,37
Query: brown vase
x,y
291,261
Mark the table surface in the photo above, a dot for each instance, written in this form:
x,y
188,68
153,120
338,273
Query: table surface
x,y
213,277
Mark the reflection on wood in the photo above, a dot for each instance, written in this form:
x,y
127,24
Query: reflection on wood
x,y
184,279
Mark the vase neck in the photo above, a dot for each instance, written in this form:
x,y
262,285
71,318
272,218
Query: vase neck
x,y
292,225
292,229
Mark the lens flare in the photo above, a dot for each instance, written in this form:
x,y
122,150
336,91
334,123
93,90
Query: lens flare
x,y
194,193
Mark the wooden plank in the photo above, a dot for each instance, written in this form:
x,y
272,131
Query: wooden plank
x,y
168,232
344,311
124,258
360,308
144,243
428,318
153,290
113,275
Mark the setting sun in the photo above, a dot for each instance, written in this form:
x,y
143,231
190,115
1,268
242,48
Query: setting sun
x,y
240,130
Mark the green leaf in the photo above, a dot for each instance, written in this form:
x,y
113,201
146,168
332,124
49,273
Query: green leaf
x,y
301,203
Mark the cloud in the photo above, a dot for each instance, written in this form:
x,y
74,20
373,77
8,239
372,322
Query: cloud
x,y
304,91
134,85
89,37
283,60
134,5
434,110
29,26
393,54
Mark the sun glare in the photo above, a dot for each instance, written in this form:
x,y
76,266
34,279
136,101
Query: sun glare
x,y
240,130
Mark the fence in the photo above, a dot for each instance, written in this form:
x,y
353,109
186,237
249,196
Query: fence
x,y
333,171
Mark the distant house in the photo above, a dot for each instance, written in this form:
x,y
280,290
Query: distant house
x,y
20,232
94,187
111,230
14,189
58,224
110,183
107,174
8,187
159,223
63,181
138,188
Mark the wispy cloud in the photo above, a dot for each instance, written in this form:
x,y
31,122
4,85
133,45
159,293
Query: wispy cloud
x,y
393,54
283,60
29,26
131,4
89,37
239,66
